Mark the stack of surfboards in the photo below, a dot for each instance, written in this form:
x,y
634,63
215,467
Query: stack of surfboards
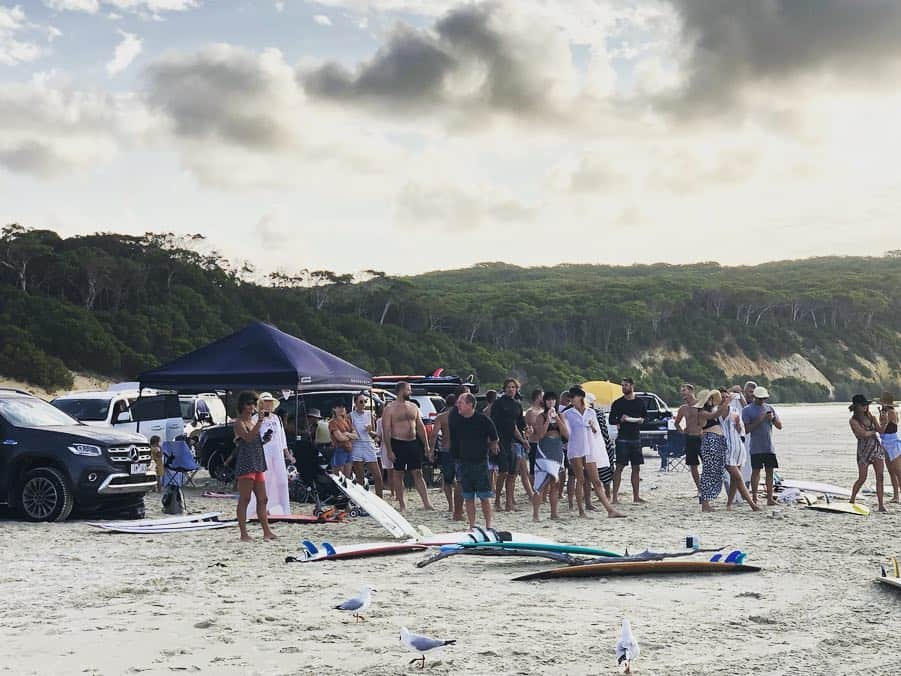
x,y
812,489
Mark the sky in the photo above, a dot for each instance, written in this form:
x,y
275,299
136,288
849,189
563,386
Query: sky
x,y
413,135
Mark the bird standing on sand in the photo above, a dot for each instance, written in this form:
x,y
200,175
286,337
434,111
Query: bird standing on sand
x,y
627,647
421,644
358,604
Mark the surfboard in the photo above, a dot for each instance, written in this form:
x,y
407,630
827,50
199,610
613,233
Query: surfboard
x,y
358,551
640,568
302,518
841,508
145,523
215,494
392,520
894,582
817,487
544,547
469,537
188,527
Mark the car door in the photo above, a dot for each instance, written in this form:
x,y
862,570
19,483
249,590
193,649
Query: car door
x,y
159,415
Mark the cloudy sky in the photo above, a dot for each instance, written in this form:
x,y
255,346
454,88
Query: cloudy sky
x,y
409,135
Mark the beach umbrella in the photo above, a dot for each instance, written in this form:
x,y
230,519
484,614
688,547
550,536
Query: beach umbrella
x,y
604,391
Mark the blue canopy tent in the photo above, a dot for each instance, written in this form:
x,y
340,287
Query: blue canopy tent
x,y
258,356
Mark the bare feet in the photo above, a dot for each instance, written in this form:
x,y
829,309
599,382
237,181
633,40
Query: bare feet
x,y
755,507
246,538
270,536
883,509
458,517
706,508
639,501
613,514
771,503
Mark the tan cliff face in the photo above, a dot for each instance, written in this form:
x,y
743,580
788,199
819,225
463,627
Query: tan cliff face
x,y
82,381
794,366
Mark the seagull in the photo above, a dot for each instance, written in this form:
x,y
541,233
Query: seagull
x,y
358,604
421,644
627,647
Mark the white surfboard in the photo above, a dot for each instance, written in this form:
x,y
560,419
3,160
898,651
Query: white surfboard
x,y
149,523
392,520
365,550
817,487
188,527
441,539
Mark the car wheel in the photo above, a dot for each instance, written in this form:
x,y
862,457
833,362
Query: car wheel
x,y
219,470
45,496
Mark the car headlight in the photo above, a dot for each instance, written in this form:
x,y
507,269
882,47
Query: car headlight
x,y
86,449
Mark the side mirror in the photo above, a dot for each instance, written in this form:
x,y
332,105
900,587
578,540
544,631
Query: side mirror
x,y
124,417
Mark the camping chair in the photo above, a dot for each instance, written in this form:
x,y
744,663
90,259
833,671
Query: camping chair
x,y
672,453
179,464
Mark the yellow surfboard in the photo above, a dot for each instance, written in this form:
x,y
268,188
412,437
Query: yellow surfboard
x,y
841,508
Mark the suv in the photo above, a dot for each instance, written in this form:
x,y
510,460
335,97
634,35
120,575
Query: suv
x,y
126,410
51,464
200,411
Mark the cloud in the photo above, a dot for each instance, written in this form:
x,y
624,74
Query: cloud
x,y
748,43
279,6
447,205
322,20
13,23
151,7
230,94
125,53
51,129
475,59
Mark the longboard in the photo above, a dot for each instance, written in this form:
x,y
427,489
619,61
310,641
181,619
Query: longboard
x,y
640,568
377,508
544,547
146,523
328,553
171,528
817,487
478,537
841,508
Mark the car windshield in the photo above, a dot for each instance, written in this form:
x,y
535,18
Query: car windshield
x,y
29,412
91,410
187,408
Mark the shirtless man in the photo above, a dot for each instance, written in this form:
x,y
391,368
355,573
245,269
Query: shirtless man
x,y
531,417
441,442
688,413
405,441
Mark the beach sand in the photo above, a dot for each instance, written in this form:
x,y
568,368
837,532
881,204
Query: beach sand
x,y
81,601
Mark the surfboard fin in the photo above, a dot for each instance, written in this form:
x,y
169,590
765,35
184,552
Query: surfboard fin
x,y
310,547
329,550
715,558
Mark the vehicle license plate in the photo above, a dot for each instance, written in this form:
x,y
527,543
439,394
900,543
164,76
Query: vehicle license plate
x,y
139,468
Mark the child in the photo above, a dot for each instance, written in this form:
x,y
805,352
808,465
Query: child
x,y
156,454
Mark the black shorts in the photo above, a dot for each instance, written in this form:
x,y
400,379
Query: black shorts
x,y
474,481
761,460
692,450
407,454
505,459
629,451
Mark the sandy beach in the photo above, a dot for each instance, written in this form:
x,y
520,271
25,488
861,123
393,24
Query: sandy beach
x,y
81,601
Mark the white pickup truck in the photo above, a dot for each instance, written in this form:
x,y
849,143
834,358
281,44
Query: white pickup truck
x,y
147,413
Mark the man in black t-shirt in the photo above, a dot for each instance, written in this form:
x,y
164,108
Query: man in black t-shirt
x,y
508,419
472,435
627,413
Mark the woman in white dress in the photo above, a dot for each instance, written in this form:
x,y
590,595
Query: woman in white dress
x,y
736,454
275,446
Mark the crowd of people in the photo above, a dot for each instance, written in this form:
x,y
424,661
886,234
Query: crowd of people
x,y
561,445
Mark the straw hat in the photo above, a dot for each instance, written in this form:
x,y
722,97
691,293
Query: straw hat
x,y
705,395
887,400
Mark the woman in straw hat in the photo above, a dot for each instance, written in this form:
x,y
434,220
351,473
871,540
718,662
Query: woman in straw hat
x,y
869,447
888,418
711,407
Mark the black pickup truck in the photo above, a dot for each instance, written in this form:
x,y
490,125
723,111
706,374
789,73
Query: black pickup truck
x,y
52,465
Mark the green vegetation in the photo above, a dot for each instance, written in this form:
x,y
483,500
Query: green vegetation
x,y
116,305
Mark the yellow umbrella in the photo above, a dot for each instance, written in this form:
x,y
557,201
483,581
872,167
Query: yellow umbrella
x,y
605,391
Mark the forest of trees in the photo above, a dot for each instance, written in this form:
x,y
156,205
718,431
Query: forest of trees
x,y
115,305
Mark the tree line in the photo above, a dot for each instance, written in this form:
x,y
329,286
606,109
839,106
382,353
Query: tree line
x,y
116,305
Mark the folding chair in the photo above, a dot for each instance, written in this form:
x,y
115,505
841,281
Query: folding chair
x,y
672,453
179,464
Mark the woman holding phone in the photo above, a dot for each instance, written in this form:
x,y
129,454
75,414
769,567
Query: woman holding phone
x,y
550,429
250,464
869,447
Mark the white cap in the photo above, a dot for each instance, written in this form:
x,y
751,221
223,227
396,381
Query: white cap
x,y
761,393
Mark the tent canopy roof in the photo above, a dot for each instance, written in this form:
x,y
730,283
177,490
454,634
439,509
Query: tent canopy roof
x,y
259,356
